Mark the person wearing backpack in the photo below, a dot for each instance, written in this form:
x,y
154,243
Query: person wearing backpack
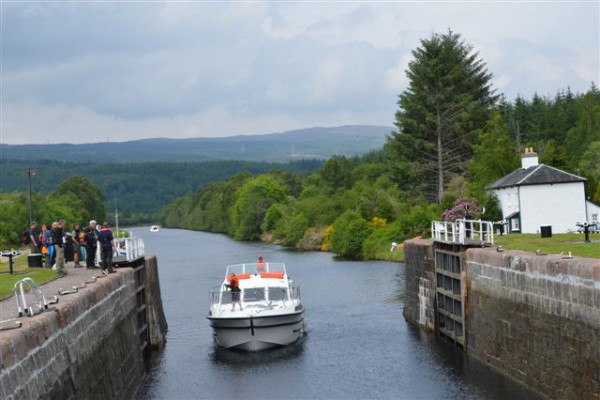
x,y
42,237
49,244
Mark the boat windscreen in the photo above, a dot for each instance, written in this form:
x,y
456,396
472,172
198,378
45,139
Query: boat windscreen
x,y
277,294
254,294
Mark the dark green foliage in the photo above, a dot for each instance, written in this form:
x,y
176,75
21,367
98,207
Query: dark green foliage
x,y
294,228
250,208
590,167
84,196
336,173
273,219
554,155
349,232
447,101
492,209
76,201
494,157
587,127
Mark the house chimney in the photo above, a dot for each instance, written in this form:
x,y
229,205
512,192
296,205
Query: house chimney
x,y
529,158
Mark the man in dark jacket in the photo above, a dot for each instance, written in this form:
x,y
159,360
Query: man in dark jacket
x,y
34,239
91,245
107,245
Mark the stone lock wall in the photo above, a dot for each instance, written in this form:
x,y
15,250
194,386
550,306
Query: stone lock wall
x,y
536,318
88,345
419,296
157,322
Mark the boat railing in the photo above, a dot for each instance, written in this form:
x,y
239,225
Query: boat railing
x,y
250,295
131,248
295,292
252,268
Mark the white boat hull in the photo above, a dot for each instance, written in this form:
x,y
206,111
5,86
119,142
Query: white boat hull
x,y
251,333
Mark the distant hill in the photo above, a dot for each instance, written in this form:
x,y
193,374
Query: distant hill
x,y
311,143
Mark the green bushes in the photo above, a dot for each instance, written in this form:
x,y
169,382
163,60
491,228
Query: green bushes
x,y
349,232
76,200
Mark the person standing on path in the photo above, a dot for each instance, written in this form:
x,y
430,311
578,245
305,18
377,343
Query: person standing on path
x,y
91,245
107,247
58,237
49,243
34,240
76,239
42,238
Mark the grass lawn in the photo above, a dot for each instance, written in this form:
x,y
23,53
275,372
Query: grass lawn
x,y
7,281
564,242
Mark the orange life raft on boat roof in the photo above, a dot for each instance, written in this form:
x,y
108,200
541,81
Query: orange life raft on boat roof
x,y
273,274
240,276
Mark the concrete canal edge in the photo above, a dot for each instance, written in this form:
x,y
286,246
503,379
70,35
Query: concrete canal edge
x,y
93,344
534,318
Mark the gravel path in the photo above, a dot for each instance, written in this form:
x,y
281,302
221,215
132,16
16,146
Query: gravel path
x,y
74,277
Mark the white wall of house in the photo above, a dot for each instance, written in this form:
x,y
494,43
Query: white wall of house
x,y
593,213
509,200
559,205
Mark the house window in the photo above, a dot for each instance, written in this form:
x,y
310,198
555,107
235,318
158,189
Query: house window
x,y
515,224
594,218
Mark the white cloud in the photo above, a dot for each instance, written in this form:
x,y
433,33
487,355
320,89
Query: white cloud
x,y
179,69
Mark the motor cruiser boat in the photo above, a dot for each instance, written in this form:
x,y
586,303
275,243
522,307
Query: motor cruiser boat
x,y
271,314
154,228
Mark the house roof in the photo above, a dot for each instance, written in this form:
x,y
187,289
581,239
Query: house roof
x,y
535,175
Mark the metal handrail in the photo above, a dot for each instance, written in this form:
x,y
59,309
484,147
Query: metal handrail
x,y
462,230
28,285
253,268
134,248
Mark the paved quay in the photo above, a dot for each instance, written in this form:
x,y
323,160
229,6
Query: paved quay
x,y
75,277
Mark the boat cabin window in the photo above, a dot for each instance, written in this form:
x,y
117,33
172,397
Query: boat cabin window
x,y
277,294
254,294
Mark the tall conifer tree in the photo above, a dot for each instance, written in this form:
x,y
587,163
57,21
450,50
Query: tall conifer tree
x,y
447,101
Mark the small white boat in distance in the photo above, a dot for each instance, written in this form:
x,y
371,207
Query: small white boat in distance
x,y
154,228
272,314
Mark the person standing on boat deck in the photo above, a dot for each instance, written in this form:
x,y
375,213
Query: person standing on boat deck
x,y
234,285
107,246
260,265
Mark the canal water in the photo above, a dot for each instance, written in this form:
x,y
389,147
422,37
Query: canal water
x,y
358,344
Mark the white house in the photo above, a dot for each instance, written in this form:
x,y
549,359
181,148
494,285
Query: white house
x,y
538,195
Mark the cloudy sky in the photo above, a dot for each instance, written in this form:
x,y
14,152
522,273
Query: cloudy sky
x,y
89,71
